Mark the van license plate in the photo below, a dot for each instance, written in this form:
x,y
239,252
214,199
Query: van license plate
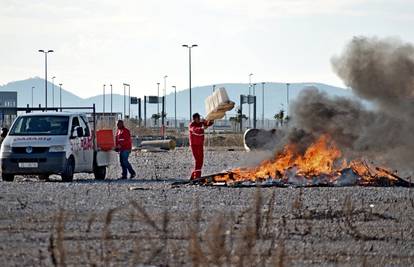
x,y
28,165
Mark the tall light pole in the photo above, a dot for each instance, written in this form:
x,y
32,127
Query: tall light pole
x,y
123,115
250,82
103,101
111,99
287,98
250,88
125,84
53,91
214,89
165,95
158,99
60,95
254,105
32,95
129,101
45,52
189,71
263,104
175,106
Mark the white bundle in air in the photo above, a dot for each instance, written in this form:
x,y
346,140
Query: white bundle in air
x,y
218,104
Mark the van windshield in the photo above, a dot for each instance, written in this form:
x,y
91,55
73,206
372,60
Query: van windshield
x,y
40,125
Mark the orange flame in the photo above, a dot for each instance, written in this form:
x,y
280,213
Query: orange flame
x,y
321,158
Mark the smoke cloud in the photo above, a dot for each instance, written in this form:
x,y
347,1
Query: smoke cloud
x,y
380,71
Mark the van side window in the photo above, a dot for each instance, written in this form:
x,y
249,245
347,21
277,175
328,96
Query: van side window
x,y
84,126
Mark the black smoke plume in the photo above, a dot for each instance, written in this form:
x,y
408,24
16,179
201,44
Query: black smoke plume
x,y
380,71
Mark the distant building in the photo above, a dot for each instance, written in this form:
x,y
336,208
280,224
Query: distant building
x,y
8,101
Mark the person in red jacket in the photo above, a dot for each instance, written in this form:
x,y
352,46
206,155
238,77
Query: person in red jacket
x,y
196,136
124,145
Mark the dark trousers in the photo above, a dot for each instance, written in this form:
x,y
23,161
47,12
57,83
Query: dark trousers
x,y
125,165
198,154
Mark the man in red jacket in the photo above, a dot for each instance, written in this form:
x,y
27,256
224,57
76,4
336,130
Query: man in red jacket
x,y
196,132
124,146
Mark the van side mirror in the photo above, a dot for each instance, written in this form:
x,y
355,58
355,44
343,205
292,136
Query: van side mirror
x,y
79,131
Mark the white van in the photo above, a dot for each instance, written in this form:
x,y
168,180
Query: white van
x,y
49,143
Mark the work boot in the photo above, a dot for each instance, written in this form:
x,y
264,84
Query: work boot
x,y
123,178
132,176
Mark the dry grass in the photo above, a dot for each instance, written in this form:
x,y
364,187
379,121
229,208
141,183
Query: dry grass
x,y
56,247
216,242
257,236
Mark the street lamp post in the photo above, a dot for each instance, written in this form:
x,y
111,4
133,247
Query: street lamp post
x,y
250,82
189,71
32,95
250,88
45,52
60,95
111,99
125,84
165,95
53,91
263,100
175,106
214,89
158,99
123,115
254,106
103,101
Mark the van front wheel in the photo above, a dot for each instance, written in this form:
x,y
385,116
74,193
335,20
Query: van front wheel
x,y
99,172
67,174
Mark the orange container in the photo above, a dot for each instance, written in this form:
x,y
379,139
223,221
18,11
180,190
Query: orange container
x,y
105,139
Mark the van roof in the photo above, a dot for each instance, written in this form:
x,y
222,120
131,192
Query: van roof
x,y
52,113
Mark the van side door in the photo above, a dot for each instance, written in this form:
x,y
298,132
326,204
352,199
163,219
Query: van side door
x,y
75,144
87,144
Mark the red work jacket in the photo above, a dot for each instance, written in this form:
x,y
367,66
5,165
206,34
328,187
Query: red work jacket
x,y
196,132
123,139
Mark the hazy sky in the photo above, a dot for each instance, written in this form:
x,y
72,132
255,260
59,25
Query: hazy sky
x,y
134,41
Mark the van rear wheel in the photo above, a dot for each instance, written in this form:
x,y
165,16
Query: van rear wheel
x,y
7,177
67,174
99,172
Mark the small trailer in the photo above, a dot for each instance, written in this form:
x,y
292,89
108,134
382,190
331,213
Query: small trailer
x,y
53,142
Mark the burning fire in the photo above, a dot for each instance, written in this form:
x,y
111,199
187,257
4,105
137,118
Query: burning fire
x,y
320,164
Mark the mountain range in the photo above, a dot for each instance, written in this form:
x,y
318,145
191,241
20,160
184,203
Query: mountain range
x,y
275,97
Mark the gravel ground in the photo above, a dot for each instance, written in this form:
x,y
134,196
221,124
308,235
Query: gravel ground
x,y
157,224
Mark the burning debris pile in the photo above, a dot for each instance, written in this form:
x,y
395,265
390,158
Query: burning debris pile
x,y
329,138
320,165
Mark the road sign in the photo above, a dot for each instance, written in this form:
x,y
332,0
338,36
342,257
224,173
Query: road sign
x,y
134,100
154,99
250,99
247,99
